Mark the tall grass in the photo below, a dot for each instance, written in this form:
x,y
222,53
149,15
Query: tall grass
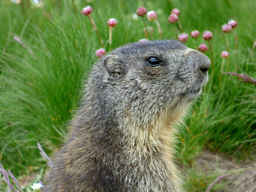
x,y
41,81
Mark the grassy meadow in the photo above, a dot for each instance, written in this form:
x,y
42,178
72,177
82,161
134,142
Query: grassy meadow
x,y
46,53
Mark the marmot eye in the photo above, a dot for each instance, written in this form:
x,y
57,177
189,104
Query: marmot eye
x,y
154,61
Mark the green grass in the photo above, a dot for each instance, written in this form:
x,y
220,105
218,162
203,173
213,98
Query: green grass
x,y
41,82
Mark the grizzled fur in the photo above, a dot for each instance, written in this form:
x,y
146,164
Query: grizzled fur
x,y
122,136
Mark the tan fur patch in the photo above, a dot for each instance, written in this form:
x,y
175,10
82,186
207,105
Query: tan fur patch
x,y
166,125
160,135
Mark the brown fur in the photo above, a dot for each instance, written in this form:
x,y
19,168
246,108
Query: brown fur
x,y
123,137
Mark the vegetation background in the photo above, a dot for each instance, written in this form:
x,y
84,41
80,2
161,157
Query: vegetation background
x,y
47,51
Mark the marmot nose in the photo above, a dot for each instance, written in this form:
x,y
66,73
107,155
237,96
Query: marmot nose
x,y
197,60
204,65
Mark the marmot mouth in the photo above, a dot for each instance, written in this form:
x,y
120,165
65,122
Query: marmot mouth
x,y
193,93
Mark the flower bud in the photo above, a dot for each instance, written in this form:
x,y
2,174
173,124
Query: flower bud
x,y
224,54
195,34
151,15
173,18
207,35
141,11
100,52
183,37
176,11
87,10
226,28
203,47
233,23
112,22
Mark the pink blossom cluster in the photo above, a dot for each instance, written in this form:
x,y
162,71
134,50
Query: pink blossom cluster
x,y
195,34
100,52
226,28
207,35
183,37
224,54
151,15
141,11
112,22
173,18
87,10
203,47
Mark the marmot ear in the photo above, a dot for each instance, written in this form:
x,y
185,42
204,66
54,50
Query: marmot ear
x,y
114,66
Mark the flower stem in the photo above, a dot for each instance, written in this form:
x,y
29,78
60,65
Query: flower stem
x,y
236,40
179,26
222,65
110,37
227,43
211,53
145,28
25,5
160,31
74,6
96,30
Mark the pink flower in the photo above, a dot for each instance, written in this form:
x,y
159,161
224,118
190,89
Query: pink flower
x,y
183,37
143,40
195,34
233,23
87,10
112,22
207,35
141,11
176,11
151,15
224,54
203,47
226,28
173,18
100,52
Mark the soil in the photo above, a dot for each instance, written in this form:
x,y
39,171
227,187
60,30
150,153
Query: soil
x,y
239,177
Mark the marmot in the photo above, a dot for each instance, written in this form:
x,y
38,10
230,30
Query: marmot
x,y
122,136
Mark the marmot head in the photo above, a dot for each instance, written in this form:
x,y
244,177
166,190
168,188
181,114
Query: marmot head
x,y
142,79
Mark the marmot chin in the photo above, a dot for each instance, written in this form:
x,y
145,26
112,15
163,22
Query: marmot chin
x,y
122,137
